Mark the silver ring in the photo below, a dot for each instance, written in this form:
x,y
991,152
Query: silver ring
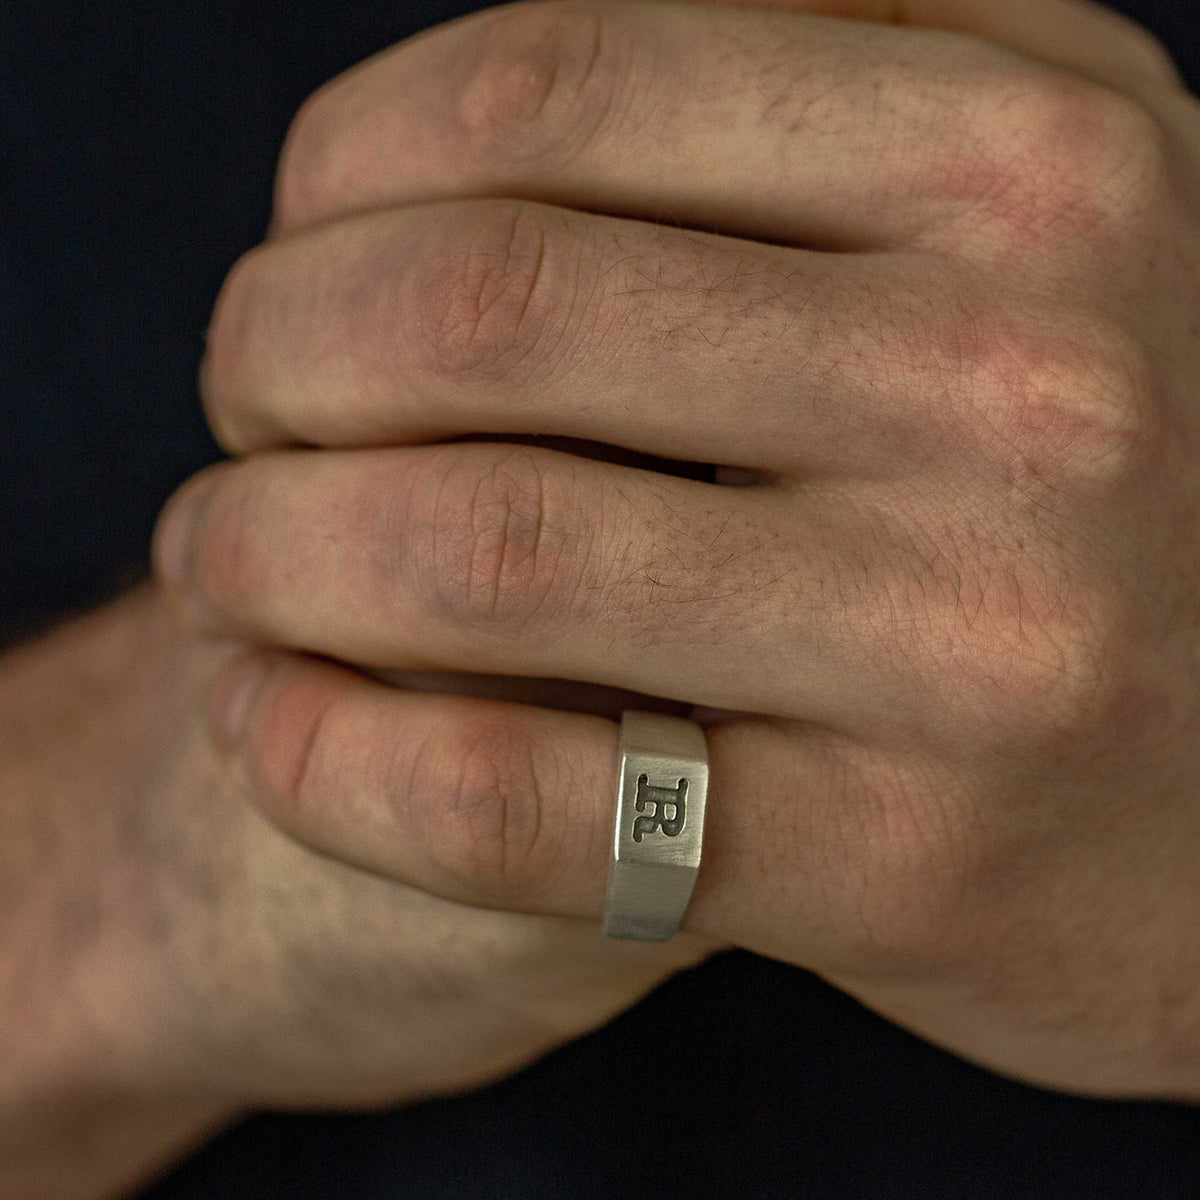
x,y
660,825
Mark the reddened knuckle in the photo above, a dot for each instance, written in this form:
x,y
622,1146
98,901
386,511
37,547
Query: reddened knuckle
x,y
499,551
489,298
1069,158
1077,409
486,816
545,81
1132,163
292,747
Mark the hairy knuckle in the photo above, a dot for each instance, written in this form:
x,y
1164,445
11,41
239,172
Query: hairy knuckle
x,y
499,549
490,296
486,820
545,82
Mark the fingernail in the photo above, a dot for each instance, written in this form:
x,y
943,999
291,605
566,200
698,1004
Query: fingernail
x,y
233,698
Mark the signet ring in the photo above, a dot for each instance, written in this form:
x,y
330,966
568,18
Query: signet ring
x,y
661,791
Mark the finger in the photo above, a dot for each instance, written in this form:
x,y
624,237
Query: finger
x,y
769,125
505,560
508,317
503,805
1090,39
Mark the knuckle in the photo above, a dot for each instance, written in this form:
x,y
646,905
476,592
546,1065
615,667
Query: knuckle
x,y
312,171
500,546
227,367
229,571
1029,632
293,749
1069,158
1038,659
1054,678
1076,408
920,846
489,299
486,828
1131,163
543,86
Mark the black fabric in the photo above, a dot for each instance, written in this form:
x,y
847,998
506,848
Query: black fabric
x,y
137,144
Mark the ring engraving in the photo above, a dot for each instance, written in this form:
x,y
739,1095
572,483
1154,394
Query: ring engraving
x,y
662,798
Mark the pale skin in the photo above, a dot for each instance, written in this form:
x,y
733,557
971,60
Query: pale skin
x,y
942,633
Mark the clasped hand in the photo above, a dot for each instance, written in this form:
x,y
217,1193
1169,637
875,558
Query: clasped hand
x,y
927,299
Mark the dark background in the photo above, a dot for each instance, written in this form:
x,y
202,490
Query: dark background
x,y
137,147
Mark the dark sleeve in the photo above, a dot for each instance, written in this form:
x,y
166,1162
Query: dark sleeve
x,y
137,144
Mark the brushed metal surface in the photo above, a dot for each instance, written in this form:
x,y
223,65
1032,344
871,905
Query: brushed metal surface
x,y
659,829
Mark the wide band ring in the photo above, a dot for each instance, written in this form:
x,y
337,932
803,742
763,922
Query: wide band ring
x,y
663,773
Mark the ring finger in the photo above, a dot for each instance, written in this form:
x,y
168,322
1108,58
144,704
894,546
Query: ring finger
x,y
507,805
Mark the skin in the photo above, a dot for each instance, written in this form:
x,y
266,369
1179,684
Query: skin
x,y
171,959
942,632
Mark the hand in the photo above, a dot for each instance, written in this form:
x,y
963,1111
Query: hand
x,y
168,958
945,636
